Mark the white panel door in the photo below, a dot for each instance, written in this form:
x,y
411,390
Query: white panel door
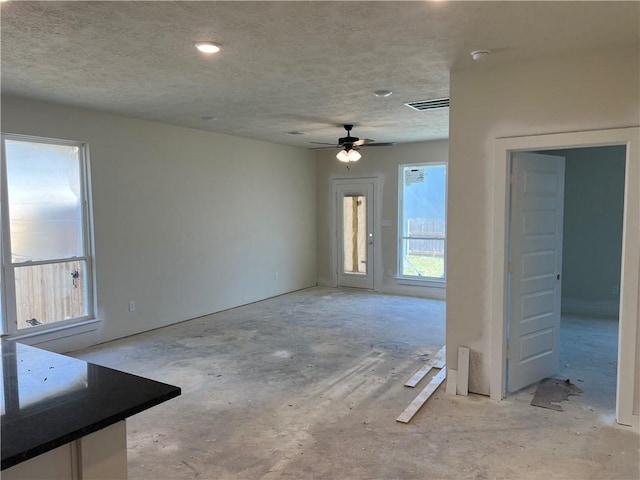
x,y
537,205
354,214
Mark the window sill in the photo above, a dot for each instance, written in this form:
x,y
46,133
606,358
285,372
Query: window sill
x,y
431,282
55,333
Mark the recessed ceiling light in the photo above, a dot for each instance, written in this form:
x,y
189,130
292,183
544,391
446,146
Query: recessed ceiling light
x,y
295,132
382,93
208,118
480,55
207,47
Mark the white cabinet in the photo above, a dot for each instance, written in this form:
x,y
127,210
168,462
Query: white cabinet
x,y
101,455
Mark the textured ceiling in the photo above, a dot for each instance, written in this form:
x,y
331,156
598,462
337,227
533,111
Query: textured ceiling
x,y
285,66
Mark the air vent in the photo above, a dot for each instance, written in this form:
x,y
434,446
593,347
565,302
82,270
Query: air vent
x,y
432,104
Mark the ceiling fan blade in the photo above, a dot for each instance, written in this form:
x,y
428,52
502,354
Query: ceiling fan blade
x,y
324,148
379,144
350,142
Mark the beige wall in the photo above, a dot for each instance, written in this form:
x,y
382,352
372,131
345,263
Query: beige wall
x,y
594,90
186,222
381,163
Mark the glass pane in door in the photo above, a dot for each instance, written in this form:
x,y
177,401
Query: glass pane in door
x,y
354,253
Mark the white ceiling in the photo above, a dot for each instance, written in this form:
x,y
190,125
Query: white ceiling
x,y
286,66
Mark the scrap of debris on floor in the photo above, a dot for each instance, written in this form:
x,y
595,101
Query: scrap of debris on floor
x,y
552,391
549,394
458,383
437,362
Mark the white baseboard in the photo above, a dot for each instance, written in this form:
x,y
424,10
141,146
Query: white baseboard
x,y
590,308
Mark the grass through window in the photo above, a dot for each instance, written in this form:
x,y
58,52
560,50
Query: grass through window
x,y
424,266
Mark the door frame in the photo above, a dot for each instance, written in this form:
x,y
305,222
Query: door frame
x,y
375,205
630,273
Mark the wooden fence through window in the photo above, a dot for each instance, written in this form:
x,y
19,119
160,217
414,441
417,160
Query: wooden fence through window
x,y
50,293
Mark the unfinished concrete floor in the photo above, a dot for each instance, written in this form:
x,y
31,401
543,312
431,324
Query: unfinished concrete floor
x,y
308,386
589,358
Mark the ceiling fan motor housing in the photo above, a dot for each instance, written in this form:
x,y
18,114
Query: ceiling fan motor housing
x,y
348,140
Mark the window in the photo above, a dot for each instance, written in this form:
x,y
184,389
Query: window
x,y
46,257
422,217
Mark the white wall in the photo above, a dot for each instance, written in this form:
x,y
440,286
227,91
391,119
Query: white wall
x,y
186,222
593,90
381,163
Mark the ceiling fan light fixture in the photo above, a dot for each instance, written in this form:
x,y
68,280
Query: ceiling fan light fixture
x,y
354,155
343,156
349,155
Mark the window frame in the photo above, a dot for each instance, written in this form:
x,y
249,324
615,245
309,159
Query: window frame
x,y
8,308
415,279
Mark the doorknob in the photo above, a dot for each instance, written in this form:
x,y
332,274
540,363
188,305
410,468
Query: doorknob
x,y
371,239
558,277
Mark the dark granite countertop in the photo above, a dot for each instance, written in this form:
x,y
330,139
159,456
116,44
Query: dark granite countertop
x,y
48,400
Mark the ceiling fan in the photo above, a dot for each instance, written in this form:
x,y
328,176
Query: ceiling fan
x,y
350,146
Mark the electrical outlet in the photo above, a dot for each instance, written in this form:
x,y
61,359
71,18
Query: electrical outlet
x,y
276,275
132,306
390,272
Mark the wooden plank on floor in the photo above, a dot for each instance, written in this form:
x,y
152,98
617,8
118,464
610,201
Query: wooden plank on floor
x,y
437,362
463,371
452,381
422,397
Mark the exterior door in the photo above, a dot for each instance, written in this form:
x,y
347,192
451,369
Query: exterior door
x,y
537,205
354,215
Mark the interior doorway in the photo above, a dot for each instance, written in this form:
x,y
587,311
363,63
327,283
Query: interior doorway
x,y
592,253
626,388
570,257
